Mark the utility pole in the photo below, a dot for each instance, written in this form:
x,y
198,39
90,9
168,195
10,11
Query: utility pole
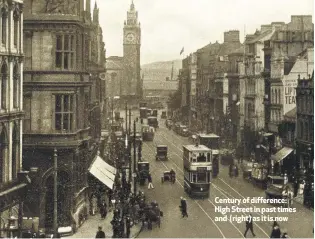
x,y
126,119
129,121
55,194
134,158
112,110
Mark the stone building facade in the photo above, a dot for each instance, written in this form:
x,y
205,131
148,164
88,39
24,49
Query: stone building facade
x,y
13,181
304,142
64,55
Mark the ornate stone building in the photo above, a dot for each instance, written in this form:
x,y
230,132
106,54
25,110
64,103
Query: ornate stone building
x,y
305,129
132,84
64,57
13,181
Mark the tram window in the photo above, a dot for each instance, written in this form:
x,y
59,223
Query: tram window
x,y
202,177
193,159
193,177
208,157
201,158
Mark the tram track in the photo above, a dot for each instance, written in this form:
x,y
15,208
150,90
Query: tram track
x,y
217,187
207,200
197,203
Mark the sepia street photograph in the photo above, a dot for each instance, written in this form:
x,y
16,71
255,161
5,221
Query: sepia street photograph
x,y
156,119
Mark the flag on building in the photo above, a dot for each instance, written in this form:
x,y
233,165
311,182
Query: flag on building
x,y
182,51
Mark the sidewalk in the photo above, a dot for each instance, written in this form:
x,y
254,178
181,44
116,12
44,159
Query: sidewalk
x,y
90,227
298,199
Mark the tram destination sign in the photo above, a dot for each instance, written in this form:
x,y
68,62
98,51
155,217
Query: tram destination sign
x,y
201,169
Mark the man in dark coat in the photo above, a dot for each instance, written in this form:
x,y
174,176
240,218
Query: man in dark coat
x,y
275,233
128,226
183,206
103,210
249,225
100,233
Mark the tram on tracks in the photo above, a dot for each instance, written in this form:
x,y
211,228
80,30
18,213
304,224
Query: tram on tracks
x,y
147,133
197,161
212,141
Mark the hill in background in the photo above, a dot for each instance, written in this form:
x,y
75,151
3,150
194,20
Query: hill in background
x,y
155,75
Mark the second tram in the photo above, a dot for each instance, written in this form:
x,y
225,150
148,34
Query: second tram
x,y
212,141
197,161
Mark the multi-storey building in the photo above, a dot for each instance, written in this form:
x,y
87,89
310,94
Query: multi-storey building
x,y
114,76
61,102
203,89
286,57
235,101
13,180
253,86
305,127
218,81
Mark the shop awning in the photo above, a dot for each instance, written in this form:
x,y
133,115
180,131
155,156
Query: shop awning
x,y
103,171
281,154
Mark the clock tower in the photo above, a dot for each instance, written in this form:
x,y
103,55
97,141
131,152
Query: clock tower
x,y
132,85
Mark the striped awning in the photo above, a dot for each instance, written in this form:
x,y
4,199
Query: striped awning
x,y
103,171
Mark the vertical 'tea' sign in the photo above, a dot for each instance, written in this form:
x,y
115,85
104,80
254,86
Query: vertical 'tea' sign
x,y
289,95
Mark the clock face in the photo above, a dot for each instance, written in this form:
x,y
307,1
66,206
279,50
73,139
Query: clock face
x,y
130,37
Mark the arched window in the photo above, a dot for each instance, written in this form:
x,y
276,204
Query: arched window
x,y
15,151
279,96
3,148
4,25
4,75
276,97
16,88
16,19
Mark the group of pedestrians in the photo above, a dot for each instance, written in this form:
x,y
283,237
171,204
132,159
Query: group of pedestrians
x,y
275,233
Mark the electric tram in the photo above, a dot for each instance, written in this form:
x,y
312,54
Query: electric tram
x,y
197,170
212,141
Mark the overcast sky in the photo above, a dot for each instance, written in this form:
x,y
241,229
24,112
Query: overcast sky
x,y
169,25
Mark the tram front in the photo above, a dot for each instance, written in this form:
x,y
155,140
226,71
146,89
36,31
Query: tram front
x,y
197,170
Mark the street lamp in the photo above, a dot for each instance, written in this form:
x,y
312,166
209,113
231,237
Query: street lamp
x,y
114,98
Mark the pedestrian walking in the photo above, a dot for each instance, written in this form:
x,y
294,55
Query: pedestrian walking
x,y
128,226
183,207
150,185
276,232
100,233
103,210
249,225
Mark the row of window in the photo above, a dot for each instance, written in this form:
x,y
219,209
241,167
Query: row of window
x,y
276,116
197,177
306,129
5,26
4,86
305,104
276,96
65,113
